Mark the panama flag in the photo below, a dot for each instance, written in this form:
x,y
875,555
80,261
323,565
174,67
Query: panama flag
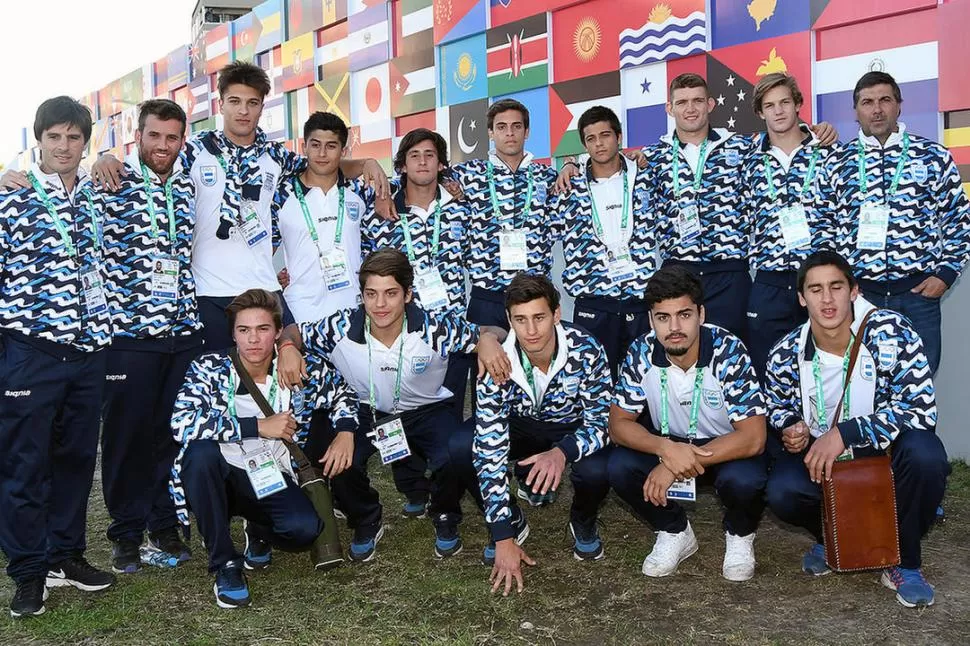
x,y
644,93
674,28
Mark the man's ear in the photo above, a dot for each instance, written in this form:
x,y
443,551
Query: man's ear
x,y
702,314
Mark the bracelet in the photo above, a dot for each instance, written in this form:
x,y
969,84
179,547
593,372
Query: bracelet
x,y
284,344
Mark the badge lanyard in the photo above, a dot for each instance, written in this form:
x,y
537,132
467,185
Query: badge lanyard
x,y
370,369
624,220
699,176
809,174
527,206
273,390
529,370
58,223
820,412
311,227
169,205
695,404
864,179
434,240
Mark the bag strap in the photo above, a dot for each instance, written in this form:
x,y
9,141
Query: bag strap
x,y
853,356
295,451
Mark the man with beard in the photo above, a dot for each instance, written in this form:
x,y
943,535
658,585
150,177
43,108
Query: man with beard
x,y
148,230
706,414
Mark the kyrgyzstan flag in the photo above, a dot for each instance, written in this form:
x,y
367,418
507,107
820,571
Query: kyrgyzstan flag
x,y
586,37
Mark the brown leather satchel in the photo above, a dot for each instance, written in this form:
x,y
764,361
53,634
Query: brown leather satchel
x,y
859,504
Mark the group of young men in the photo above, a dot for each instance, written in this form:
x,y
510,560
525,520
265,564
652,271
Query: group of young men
x,y
144,297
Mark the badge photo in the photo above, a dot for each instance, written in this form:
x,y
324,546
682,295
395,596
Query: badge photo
x,y
208,175
713,398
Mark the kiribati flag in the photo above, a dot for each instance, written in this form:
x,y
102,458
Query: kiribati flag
x,y
672,30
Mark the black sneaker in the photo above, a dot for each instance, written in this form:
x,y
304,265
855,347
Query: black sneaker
x,y
124,557
230,587
447,541
29,599
587,545
82,575
258,552
169,541
521,526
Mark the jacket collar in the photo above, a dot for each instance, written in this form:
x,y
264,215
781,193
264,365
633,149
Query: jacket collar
x,y
895,138
355,332
860,308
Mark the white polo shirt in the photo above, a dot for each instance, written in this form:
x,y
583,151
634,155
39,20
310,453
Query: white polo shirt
x,y
729,391
607,195
307,295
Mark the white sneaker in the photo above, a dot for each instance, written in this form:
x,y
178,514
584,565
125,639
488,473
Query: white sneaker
x,y
669,551
738,557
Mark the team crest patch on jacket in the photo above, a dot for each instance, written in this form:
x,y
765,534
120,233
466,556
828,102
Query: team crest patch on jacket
x,y
208,175
420,364
353,211
570,385
920,174
867,369
732,157
713,398
887,355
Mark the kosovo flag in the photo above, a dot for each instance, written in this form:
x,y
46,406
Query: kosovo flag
x,y
741,21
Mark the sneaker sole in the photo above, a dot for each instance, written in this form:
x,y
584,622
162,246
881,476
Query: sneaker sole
x,y
885,580
84,587
683,558
370,557
37,613
586,556
126,570
252,567
223,604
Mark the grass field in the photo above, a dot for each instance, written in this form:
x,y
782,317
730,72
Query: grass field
x,y
407,597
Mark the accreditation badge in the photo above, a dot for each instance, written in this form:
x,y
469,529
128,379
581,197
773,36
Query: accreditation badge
x,y
431,289
873,225
689,222
264,473
685,490
252,227
619,264
794,227
389,438
165,277
512,250
92,288
336,273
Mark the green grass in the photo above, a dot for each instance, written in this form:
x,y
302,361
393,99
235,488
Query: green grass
x,y
408,597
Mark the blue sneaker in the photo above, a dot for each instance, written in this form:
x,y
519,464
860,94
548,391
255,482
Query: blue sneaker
x,y
362,549
447,541
230,587
535,499
814,561
521,527
911,587
258,552
587,545
415,509
940,516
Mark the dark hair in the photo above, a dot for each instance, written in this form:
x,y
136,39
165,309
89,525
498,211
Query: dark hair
x,y
164,109
672,282
685,81
872,79
412,139
824,259
62,110
769,82
387,261
326,121
526,287
504,105
256,299
243,73
596,114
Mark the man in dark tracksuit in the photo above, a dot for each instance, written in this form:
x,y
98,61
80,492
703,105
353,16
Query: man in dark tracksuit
x,y
54,321
148,241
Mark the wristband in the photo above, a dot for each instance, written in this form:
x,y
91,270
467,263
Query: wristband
x,y
284,344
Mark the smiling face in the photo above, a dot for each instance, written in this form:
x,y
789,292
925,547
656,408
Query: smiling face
x,y
255,334
534,324
61,147
241,107
677,323
159,143
384,301
828,297
877,110
779,110
691,108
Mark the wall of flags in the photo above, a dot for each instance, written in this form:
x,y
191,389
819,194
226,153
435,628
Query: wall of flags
x,y
386,66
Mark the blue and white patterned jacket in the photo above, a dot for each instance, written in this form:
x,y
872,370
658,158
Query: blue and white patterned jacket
x,y
579,392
